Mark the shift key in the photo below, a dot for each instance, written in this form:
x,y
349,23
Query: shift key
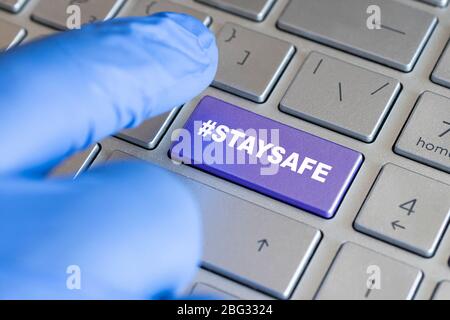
x,y
266,156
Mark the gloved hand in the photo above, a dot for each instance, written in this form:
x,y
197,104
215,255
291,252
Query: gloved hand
x,y
131,229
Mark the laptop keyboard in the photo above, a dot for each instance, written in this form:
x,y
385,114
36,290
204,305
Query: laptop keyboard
x,y
372,102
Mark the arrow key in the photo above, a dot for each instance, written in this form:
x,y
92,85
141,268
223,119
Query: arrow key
x,y
407,210
252,245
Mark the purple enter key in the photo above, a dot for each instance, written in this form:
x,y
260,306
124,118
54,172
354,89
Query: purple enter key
x,y
266,156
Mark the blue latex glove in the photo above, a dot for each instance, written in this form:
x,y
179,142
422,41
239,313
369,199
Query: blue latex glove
x,y
133,231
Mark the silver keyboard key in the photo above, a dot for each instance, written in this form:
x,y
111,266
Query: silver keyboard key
x,y
253,245
438,3
442,291
441,74
149,133
426,136
10,35
54,13
358,273
343,24
207,291
250,62
12,5
406,209
254,9
250,244
149,7
341,96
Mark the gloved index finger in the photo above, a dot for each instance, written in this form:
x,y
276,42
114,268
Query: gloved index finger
x,y
63,93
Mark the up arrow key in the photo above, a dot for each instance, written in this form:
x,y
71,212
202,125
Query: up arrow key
x,y
262,243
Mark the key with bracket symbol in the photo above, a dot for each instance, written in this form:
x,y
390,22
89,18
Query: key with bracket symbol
x,y
233,36
250,62
247,55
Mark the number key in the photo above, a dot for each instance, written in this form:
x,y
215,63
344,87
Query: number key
x,y
426,137
407,210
